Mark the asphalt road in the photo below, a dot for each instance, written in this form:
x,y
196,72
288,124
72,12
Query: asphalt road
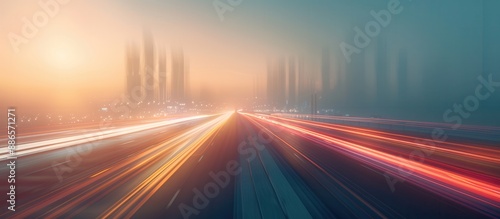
x,y
238,165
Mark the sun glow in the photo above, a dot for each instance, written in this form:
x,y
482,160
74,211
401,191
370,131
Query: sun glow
x,y
61,51
63,56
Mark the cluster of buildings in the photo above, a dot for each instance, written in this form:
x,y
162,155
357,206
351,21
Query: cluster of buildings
x,y
377,78
147,80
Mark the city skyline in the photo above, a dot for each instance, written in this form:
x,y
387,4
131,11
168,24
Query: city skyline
x,y
227,60
151,84
250,109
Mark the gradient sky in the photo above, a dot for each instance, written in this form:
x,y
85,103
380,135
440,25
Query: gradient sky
x,y
79,56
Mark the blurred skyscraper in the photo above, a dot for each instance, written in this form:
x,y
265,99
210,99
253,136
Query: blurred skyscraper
x,y
270,82
305,85
133,87
162,75
187,84
281,83
178,75
149,66
292,83
276,82
325,79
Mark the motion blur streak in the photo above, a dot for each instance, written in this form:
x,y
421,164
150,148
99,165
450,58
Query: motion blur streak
x,y
41,146
366,205
391,122
146,170
129,204
467,188
479,154
302,169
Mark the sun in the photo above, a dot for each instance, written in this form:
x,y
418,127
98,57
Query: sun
x,y
63,57
62,53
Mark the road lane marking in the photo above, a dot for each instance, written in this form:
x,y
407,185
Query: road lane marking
x,y
36,171
173,198
127,142
99,173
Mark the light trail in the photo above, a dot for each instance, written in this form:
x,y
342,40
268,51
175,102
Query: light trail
x,y
358,206
408,123
42,146
164,158
461,151
462,188
99,173
135,199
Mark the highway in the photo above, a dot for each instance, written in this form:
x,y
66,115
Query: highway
x,y
246,165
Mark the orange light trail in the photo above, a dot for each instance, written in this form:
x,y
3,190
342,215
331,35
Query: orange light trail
x,y
172,154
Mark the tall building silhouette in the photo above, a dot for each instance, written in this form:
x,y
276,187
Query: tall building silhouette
x,y
187,87
178,75
281,83
162,75
149,67
255,86
133,86
354,82
325,78
304,85
276,82
292,83
270,82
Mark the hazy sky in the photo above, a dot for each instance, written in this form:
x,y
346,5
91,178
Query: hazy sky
x,y
79,55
